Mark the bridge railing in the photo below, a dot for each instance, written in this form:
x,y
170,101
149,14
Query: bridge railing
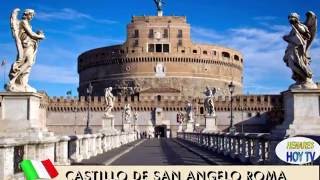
x,y
254,148
62,150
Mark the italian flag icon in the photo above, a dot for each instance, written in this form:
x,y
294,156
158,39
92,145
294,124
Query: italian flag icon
x,y
38,169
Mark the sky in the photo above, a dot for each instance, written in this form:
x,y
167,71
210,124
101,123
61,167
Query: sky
x,y
71,27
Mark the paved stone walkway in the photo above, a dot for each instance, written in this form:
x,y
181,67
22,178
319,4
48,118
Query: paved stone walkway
x,y
159,152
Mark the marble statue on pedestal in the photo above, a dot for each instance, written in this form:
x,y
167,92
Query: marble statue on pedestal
x,y
189,113
109,98
180,120
189,118
27,43
135,116
127,113
296,56
209,103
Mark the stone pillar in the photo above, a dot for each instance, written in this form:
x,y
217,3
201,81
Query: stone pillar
x,y
126,127
301,113
6,162
62,151
104,143
190,127
211,126
99,144
85,146
48,151
79,149
23,116
108,125
93,146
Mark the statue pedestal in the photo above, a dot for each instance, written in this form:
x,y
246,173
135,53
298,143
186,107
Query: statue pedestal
x,y
190,127
108,124
210,124
126,127
23,115
180,128
301,113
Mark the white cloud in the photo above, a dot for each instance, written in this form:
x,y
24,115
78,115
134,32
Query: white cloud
x,y
69,14
263,50
206,33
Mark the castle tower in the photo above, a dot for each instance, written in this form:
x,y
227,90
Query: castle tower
x,y
159,56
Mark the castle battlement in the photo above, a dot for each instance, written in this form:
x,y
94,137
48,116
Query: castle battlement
x,y
168,103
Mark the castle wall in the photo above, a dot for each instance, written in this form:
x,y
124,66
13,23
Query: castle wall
x,y
252,113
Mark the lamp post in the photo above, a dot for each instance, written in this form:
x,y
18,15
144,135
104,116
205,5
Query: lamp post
x,y
232,128
88,130
3,64
122,128
135,118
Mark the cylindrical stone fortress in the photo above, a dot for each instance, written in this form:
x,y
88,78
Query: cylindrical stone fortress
x,y
159,54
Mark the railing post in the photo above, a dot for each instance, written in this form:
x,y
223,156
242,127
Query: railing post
x,y
85,146
62,151
99,144
78,155
244,147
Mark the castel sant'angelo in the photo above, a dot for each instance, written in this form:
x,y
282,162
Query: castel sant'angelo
x,y
158,70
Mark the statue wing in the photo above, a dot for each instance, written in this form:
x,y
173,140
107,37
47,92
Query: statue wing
x,y
15,23
311,23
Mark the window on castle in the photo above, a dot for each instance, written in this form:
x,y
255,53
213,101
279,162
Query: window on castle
x,y
236,57
201,110
136,43
151,48
195,51
179,33
158,47
214,53
205,52
249,114
136,33
165,33
151,33
159,98
166,48
225,56
183,51
180,42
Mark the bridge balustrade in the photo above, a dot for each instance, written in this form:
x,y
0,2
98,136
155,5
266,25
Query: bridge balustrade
x,y
254,148
62,150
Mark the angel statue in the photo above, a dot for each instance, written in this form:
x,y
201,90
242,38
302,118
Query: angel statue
x,y
109,98
189,114
27,44
208,102
127,113
297,53
159,6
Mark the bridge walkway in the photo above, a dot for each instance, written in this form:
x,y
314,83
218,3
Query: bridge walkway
x,y
160,152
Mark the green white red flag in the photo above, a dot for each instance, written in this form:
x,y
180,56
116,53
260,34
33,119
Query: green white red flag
x,y
38,169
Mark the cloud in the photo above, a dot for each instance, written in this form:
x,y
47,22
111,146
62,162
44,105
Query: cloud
x,y
69,14
54,74
206,33
263,50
